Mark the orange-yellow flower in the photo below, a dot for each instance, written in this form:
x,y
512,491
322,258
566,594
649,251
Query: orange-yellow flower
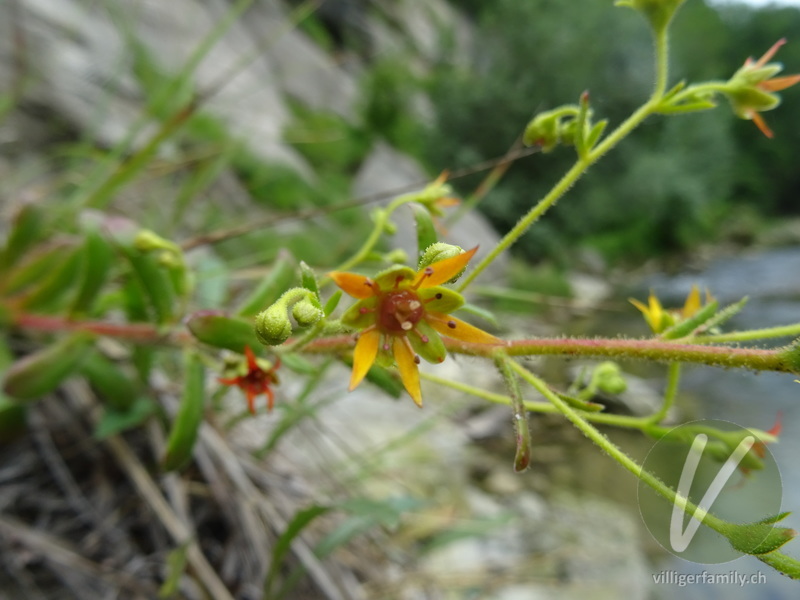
x,y
402,313
751,88
255,381
660,319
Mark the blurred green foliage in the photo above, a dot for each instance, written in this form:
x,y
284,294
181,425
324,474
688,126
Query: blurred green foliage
x,y
672,183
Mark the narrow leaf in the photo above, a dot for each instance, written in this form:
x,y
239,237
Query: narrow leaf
x,y
426,229
190,415
39,373
221,331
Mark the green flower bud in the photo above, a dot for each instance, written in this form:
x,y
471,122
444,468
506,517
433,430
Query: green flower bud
x,y
548,129
608,378
441,251
306,312
273,326
658,12
397,257
147,240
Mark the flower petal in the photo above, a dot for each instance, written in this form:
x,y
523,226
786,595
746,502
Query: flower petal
x,y
460,330
776,84
252,365
430,347
407,365
364,355
443,270
362,314
395,277
441,299
358,286
768,54
761,124
692,304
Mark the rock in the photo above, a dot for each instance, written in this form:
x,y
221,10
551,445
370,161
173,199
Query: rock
x,y
86,69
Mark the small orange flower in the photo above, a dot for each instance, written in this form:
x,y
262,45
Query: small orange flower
x,y
660,319
256,381
751,88
760,448
405,312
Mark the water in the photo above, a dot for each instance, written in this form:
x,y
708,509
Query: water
x,y
771,279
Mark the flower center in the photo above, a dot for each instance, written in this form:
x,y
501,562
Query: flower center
x,y
399,312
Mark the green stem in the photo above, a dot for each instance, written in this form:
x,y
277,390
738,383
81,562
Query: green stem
x,y
538,407
381,221
751,334
583,164
673,378
617,454
780,360
522,457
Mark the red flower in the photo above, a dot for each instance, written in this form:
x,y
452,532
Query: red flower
x,y
256,381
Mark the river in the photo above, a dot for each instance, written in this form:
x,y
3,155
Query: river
x,y
771,279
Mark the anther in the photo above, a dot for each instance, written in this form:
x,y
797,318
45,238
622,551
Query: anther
x,y
406,325
451,324
414,305
416,359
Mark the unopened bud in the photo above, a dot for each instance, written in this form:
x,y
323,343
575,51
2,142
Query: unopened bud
x,y
441,251
306,313
273,326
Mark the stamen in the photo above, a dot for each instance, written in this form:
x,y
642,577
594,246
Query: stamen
x,y
416,359
397,280
425,274
451,324
364,310
423,338
372,285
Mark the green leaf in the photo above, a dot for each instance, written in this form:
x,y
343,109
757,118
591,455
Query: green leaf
x,y
26,229
298,364
686,327
35,266
176,565
426,228
384,379
55,284
39,373
116,421
98,257
154,282
332,303
757,538
301,520
116,389
190,415
725,314
309,279
776,518
222,331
